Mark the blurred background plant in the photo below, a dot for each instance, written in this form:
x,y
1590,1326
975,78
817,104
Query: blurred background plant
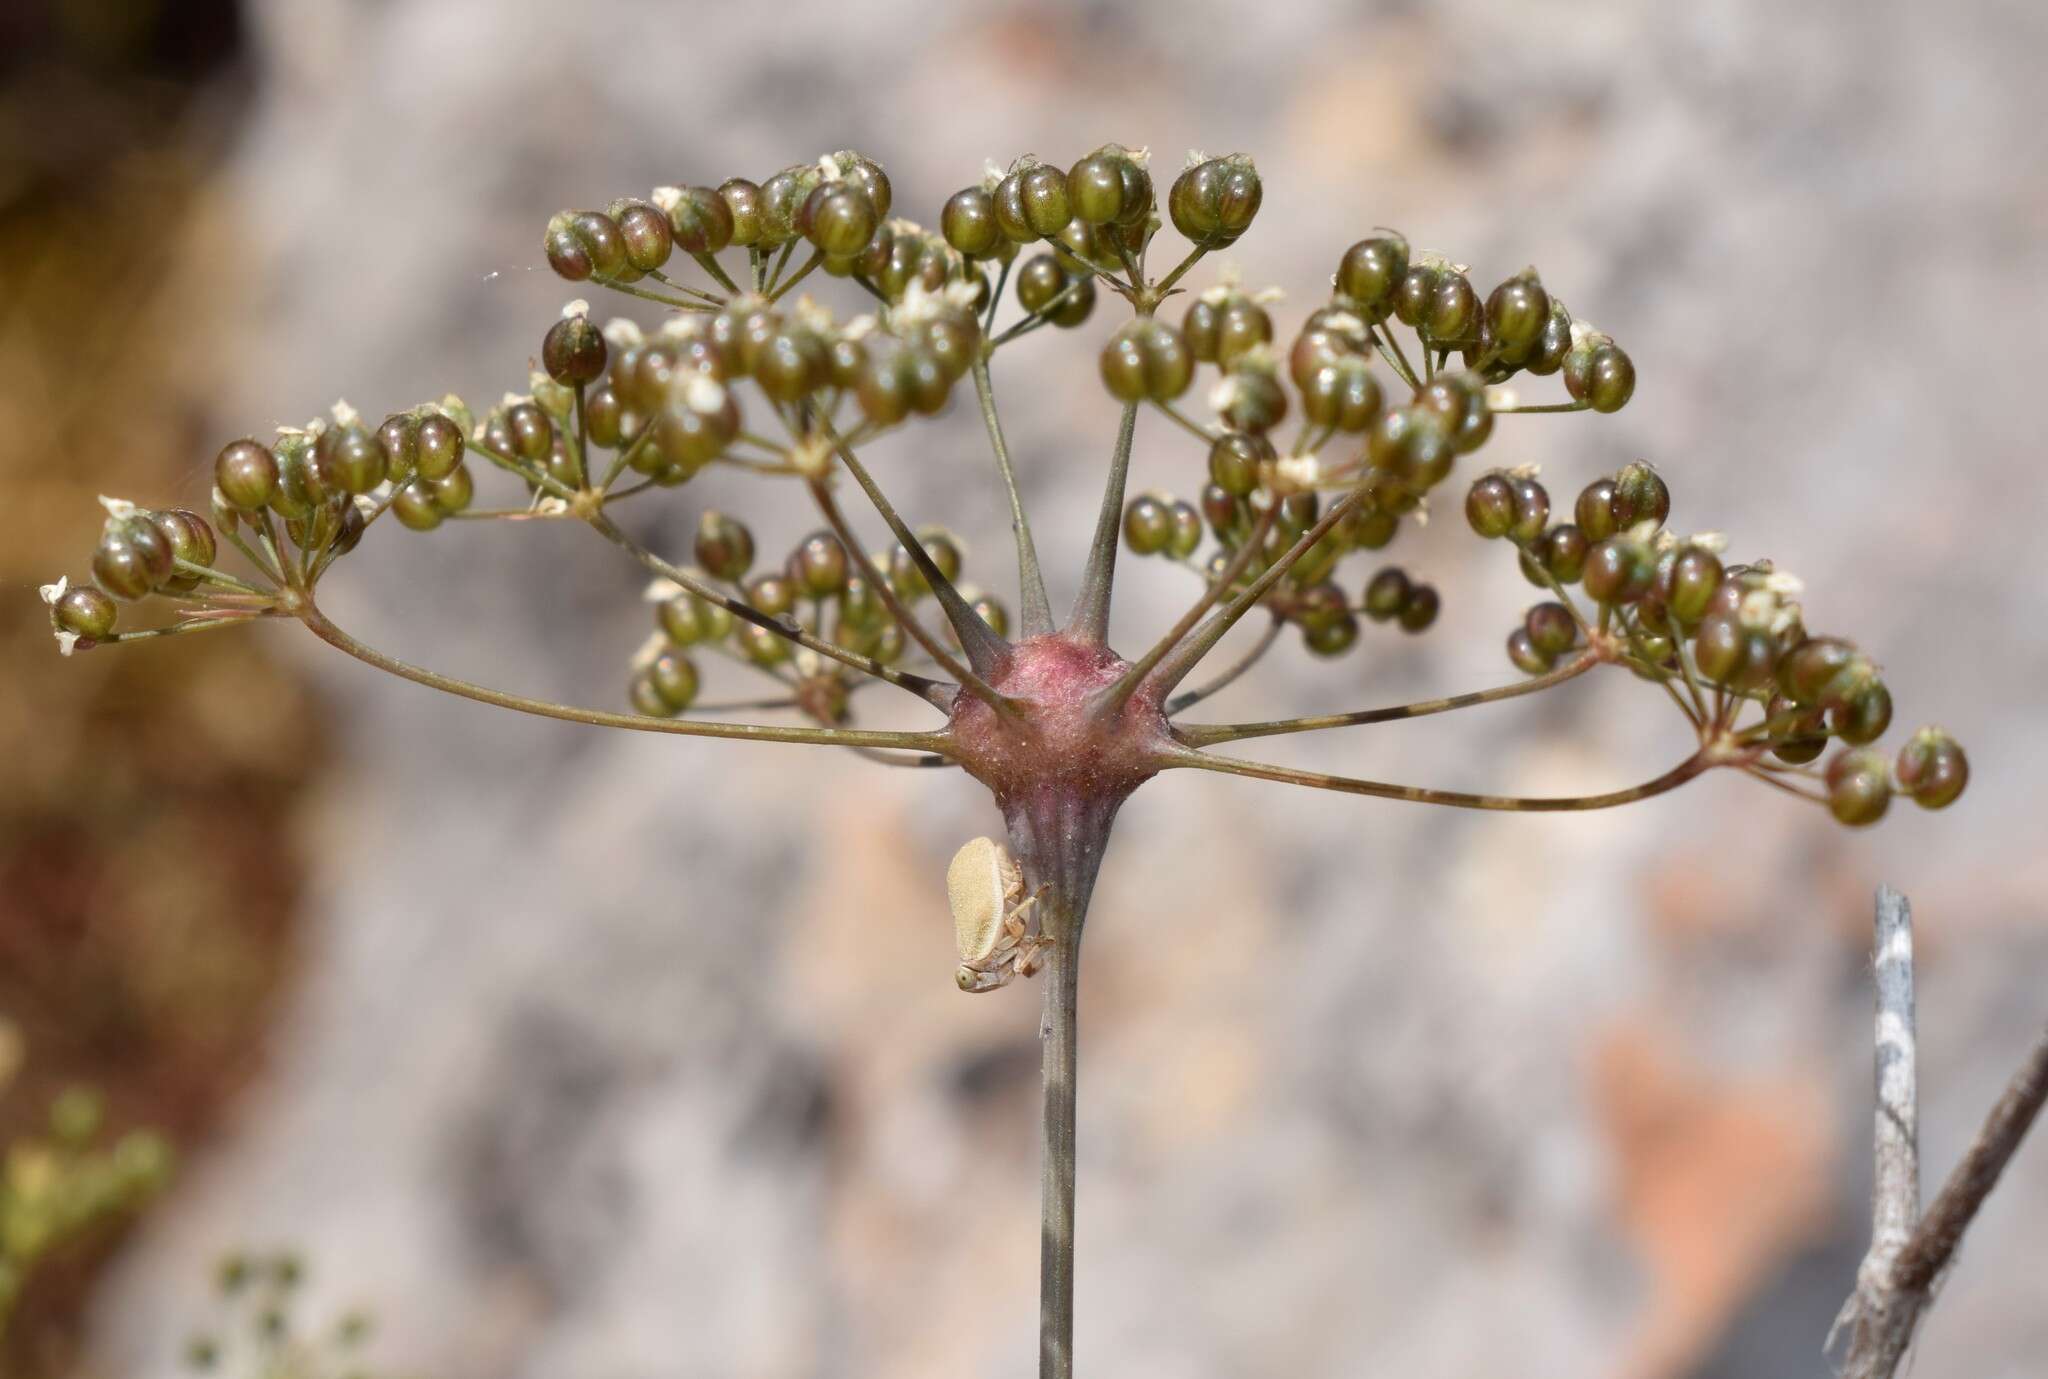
x,y
65,1193
261,1332
148,856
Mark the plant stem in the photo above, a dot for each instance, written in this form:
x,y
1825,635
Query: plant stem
x,y
1059,836
597,718
1089,622
1415,794
1034,609
1228,677
1206,735
1059,1064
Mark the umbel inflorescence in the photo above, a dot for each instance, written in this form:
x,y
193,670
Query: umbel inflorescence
x,y
1313,453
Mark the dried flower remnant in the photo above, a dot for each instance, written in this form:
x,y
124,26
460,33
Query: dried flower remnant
x,y
1317,452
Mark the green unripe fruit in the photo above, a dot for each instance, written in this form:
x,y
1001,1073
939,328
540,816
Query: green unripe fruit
x,y
1864,715
1859,786
1932,768
1528,659
454,490
674,678
1386,594
133,559
969,222
1420,608
1688,583
246,474
1235,459
1640,496
440,446
1517,311
349,459
703,220
646,233
1490,506
86,613
1595,510
1552,629
1454,309
415,505
724,547
819,565
573,351
1147,360
1620,570
1213,202
1148,524
838,218
1108,187
1332,638
1371,270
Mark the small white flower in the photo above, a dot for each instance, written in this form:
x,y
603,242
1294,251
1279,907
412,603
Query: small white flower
x,y
344,415
650,651
514,399
575,309
52,592
1225,394
1713,541
1525,471
551,506
812,455
666,199
1300,471
1195,159
1784,582
67,642
813,314
367,503
119,509
704,394
1343,322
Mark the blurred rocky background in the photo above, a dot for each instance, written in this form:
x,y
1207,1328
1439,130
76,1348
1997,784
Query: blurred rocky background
x,y
573,1055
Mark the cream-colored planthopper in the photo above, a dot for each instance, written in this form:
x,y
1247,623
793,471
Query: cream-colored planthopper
x,y
991,917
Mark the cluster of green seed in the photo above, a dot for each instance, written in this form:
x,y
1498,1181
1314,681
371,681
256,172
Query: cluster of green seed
x,y
291,507
1353,435
1679,615
818,587
1316,447
63,1185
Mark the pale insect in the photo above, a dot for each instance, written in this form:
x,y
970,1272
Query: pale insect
x,y
991,917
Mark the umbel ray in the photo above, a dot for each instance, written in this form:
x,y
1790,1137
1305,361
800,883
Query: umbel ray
x,y
1313,454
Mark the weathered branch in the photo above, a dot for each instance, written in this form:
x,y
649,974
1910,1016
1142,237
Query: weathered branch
x,y
1908,1257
